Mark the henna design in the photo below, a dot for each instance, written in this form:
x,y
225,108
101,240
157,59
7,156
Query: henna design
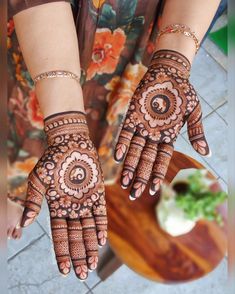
x,y
70,177
163,101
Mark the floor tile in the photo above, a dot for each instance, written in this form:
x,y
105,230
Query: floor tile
x,y
209,79
212,48
34,271
206,108
223,112
216,134
126,281
30,234
216,53
92,279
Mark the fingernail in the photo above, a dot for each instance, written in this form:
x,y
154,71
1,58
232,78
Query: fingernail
x,y
132,198
123,187
90,270
209,154
8,237
152,192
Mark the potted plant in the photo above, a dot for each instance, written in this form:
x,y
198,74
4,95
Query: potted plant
x,y
190,197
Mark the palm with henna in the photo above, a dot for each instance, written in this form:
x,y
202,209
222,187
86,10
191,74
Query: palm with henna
x,y
160,106
70,177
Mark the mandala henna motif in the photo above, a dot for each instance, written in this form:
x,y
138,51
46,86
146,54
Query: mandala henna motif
x,y
70,177
161,104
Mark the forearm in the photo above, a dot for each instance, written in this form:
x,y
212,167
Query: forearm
x,y
195,14
48,41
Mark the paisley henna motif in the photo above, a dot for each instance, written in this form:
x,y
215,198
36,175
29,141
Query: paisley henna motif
x,y
161,104
70,177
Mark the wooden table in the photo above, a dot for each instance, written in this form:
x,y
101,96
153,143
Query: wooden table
x,y
139,242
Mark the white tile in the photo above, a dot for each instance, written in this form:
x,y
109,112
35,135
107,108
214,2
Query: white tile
x,y
34,272
93,279
29,235
223,111
206,108
216,134
209,79
126,281
216,53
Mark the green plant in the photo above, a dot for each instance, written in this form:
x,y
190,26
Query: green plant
x,y
198,202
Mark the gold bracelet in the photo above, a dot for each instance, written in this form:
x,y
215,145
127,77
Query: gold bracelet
x,y
182,29
56,74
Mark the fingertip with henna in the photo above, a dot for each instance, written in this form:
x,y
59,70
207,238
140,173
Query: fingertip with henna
x,y
132,198
28,217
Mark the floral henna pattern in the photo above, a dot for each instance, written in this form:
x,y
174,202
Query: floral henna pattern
x,y
70,177
161,104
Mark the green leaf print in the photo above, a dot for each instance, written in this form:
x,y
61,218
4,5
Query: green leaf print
x,y
136,28
126,12
108,18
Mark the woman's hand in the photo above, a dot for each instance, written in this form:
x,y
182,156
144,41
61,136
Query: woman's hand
x,y
162,103
70,177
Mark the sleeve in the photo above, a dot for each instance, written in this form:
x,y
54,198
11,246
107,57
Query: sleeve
x,y
15,6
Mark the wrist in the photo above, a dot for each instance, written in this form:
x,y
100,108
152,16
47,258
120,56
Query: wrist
x,y
59,95
179,43
65,123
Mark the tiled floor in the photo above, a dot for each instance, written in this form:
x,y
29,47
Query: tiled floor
x,y
32,267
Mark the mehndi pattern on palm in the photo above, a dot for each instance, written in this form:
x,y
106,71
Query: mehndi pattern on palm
x,y
70,177
160,106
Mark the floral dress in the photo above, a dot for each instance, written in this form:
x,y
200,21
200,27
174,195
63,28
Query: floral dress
x,y
116,41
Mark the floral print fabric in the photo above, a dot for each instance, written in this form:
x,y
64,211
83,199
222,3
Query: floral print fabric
x,y
116,42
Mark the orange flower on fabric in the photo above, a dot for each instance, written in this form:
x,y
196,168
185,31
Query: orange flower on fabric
x,y
98,3
26,165
106,51
34,112
122,89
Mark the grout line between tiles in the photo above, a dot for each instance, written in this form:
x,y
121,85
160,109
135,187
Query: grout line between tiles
x,y
89,292
216,110
92,288
89,289
26,247
43,229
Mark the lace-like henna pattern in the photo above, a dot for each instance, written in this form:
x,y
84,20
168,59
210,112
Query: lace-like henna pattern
x,y
161,104
70,177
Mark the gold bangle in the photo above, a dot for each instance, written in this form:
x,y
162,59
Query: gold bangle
x,y
181,29
56,74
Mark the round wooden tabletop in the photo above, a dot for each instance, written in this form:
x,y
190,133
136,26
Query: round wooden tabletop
x,y
137,239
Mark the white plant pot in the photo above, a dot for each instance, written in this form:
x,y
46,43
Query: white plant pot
x,y
170,217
